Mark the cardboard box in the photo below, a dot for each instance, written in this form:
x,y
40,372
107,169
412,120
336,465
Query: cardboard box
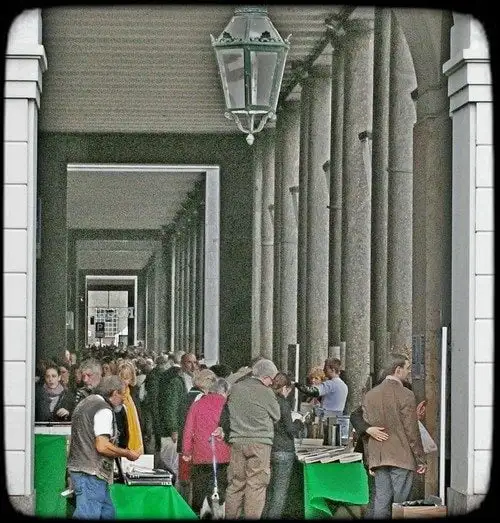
x,y
424,511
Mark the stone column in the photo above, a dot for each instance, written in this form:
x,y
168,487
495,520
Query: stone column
x,y
257,245
277,231
381,65
187,285
200,291
193,281
399,243
177,264
167,314
150,309
182,296
267,242
356,208
286,201
318,219
302,227
335,166
141,306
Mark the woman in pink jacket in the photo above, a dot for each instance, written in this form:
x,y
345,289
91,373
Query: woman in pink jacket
x,y
201,420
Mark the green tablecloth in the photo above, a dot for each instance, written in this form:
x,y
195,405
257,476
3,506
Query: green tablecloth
x,y
157,502
340,482
130,502
50,475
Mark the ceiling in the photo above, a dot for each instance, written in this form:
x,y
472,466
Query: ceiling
x,y
151,68
146,69
125,197
95,254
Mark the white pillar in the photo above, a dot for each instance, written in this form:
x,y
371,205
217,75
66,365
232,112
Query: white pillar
x,y
472,280
25,62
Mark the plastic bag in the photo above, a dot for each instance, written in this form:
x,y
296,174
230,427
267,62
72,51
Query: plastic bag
x,y
169,458
427,442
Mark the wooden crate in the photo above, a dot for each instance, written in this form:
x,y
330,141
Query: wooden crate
x,y
404,512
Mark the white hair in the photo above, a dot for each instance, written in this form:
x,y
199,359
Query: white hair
x,y
264,368
219,386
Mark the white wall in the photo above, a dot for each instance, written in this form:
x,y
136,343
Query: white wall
x,y
471,108
25,62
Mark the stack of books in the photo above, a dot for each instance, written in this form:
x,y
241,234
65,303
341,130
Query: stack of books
x,y
136,476
328,454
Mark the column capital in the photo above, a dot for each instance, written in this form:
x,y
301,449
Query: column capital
x,y
24,66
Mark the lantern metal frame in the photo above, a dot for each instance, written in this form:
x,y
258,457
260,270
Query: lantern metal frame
x,y
250,117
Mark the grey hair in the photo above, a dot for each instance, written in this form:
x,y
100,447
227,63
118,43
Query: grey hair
x,y
108,385
176,356
263,368
219,386
204,379
92,365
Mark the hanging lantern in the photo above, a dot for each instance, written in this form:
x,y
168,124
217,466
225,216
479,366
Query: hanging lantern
x,y
251,59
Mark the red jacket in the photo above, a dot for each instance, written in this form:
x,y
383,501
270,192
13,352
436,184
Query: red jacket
x,y
201,420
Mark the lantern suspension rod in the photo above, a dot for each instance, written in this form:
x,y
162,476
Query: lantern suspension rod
x,y
304,66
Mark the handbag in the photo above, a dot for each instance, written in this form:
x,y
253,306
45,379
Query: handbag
x,y
428,443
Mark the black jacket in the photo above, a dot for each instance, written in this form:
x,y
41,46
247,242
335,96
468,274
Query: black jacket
x,y
360,426
285,430
42,404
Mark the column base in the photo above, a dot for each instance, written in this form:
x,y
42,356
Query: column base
x,y
460,503
23,504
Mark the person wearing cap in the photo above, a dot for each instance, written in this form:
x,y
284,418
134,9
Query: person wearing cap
x,y
253,409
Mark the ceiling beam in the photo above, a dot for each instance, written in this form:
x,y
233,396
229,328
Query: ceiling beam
x,y
333,25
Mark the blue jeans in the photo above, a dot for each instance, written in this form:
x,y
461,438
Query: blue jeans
x,y
277,490
93,500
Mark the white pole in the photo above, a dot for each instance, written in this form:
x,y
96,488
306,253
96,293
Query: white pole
x,y
442,430
296,371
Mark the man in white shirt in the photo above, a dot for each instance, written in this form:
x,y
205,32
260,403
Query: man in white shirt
x,y
92,449
333,391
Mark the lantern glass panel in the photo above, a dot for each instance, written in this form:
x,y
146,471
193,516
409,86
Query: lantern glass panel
x,y
236,27
263,71
231,65
259,25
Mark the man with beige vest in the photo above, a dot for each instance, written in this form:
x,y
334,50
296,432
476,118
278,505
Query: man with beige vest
x,y
253,409
393,461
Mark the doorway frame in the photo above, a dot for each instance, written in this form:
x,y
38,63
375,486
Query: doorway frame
x,y
211,284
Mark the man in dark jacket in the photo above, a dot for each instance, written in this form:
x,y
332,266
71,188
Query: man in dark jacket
x,y
150,405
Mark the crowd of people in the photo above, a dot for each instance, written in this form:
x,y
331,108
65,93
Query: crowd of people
x,y
184,413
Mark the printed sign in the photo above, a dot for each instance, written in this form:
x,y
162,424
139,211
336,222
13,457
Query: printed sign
x,y
99,329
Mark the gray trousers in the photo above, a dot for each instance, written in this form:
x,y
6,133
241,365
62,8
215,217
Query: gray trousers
x,y
392,485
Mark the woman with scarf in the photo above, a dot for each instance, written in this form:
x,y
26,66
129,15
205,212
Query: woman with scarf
x,y
52,401
126,371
